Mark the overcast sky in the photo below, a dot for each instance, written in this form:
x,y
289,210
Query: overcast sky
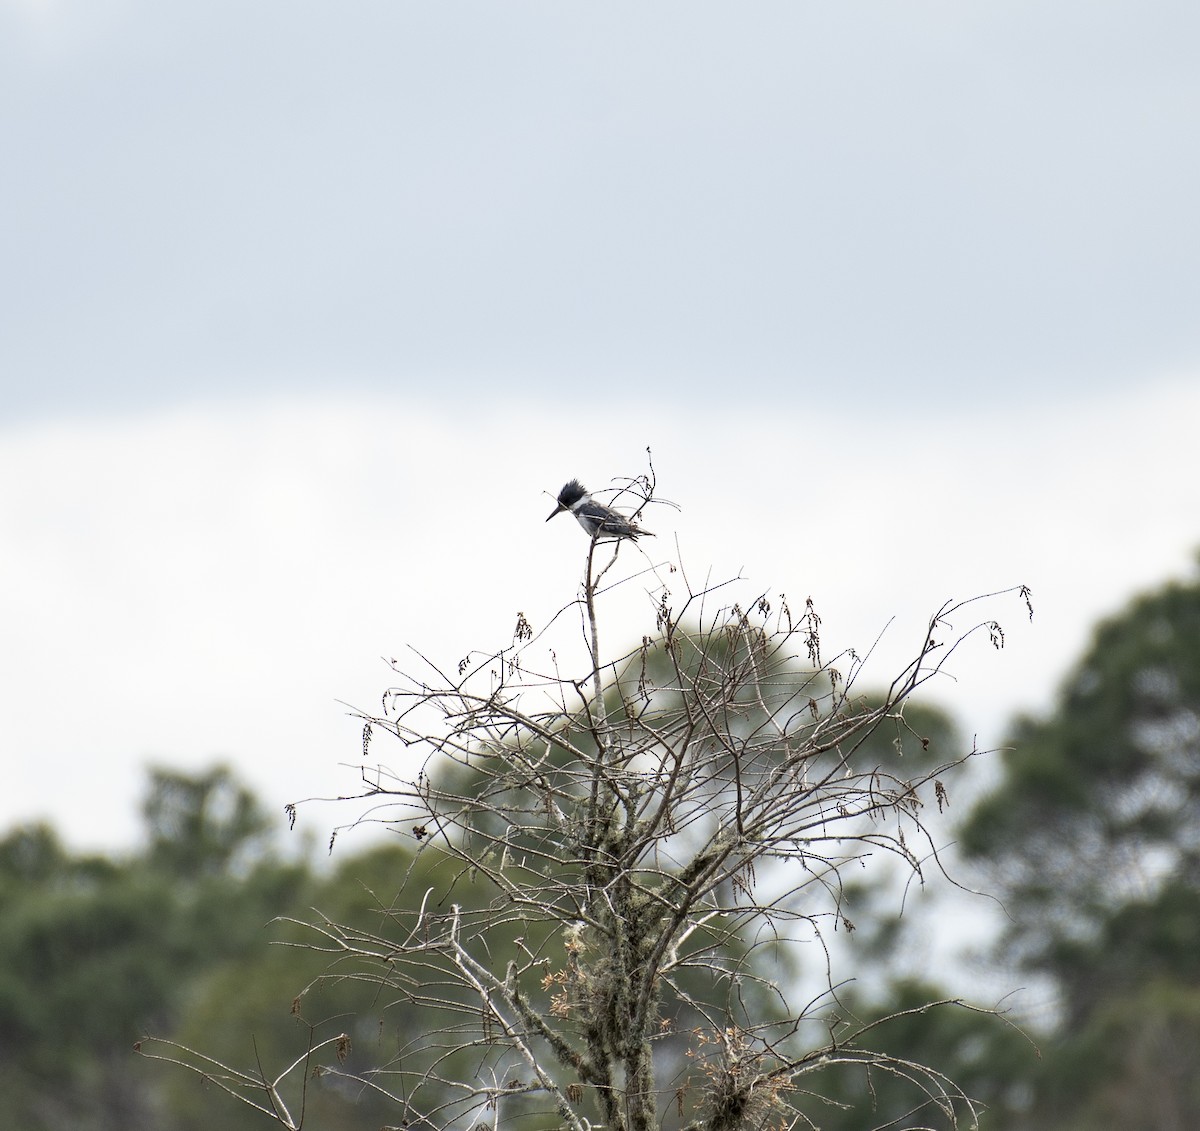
x,y
303,307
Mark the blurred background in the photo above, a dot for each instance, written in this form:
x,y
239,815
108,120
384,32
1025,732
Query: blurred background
x,y
307,311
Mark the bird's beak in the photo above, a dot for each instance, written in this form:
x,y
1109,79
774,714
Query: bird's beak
x,y
558,508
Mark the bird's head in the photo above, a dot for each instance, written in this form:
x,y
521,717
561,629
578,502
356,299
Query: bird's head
x,y
571,493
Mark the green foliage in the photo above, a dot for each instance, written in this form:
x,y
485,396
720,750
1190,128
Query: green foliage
x,y
178,941
1092,840
1133,1066
1098,817
203,825
986,1059
268,1003
94,952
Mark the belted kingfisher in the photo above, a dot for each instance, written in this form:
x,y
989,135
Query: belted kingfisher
x,y
599,521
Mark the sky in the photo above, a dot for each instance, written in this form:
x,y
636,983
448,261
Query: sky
x,y
307,311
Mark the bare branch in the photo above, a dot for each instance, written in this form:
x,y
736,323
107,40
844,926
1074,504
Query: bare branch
x,y
635,853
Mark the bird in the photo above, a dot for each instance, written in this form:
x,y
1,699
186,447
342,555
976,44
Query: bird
x,y
598,521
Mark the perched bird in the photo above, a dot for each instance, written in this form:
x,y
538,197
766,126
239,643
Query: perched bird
x,y
599,521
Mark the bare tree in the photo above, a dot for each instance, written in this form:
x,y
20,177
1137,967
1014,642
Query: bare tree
x,y
634,865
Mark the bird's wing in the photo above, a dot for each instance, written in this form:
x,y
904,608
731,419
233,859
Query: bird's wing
x,y
611,522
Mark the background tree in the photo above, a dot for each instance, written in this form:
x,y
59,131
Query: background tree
x,y
1092,840
652,838
268,1004
93,952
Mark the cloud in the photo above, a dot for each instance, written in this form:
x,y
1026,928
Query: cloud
x,y
209,582
927,201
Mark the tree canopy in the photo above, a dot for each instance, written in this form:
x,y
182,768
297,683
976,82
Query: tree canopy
x,y
1093,837
615,868
1092,842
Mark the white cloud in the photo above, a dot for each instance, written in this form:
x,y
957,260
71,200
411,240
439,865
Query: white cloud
x,y
207,583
